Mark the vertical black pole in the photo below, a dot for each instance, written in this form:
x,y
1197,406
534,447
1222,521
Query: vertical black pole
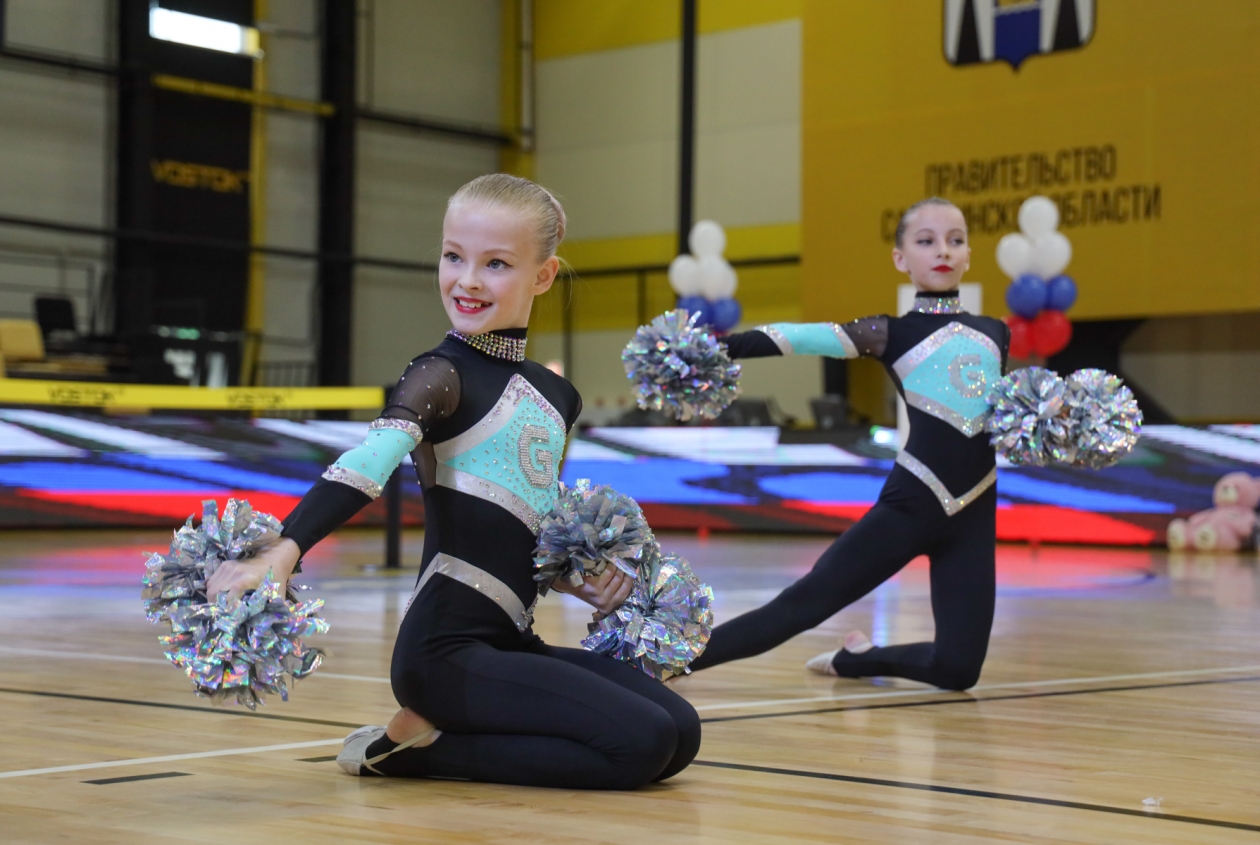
x,y
2,12
393,521
134,127
687,125
336,191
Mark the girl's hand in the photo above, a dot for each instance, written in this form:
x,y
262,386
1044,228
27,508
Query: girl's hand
x,y
604,592
236,577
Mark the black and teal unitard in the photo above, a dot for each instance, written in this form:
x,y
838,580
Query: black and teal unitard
x,y
939,500
487,434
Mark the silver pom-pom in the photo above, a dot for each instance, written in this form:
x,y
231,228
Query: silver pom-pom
x,y
1030,423
664,625
1106,419
680,368
587,529
240,649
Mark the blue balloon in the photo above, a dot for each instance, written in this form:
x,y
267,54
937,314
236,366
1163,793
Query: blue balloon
x,y
698,304
1027,296
726,314
1062,294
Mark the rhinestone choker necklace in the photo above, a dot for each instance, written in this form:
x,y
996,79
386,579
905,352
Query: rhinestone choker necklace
x,y
937,304
507,348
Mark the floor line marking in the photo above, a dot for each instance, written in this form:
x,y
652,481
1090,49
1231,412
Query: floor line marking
x,y
134,778
170,758
979,793
860,696
123,658
981,688
931,702
163,705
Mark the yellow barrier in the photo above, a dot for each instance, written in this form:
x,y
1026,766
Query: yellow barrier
x,y
95,395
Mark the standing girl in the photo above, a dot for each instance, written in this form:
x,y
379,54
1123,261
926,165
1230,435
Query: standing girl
x,y
486,429
939,499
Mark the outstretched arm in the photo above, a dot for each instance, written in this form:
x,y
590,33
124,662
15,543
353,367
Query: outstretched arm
x,y
861,338
427,393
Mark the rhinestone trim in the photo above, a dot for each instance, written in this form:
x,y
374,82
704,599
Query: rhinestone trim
x,y
496,346
951,504
357,480
481,581
407,427
938,305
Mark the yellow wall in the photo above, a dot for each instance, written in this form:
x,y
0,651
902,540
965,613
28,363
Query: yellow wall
x,y
1172,87
571,27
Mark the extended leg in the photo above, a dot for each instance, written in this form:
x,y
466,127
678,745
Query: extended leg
x,y
865,556
963,589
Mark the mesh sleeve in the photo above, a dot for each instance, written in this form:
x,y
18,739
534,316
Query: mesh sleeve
x,y
426,394
869,335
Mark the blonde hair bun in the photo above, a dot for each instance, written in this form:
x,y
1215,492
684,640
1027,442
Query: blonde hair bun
x,y
521,195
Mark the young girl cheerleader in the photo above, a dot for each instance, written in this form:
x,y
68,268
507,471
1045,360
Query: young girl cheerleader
x,y
486,429
939,499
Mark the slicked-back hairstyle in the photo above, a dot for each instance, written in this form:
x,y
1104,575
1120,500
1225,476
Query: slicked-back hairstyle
x,y
521,195
904,222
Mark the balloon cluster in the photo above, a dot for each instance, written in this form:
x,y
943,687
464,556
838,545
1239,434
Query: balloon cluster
x,y
1035,258
705,281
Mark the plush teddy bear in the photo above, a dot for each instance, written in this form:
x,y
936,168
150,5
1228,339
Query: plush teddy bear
x,y
1228,526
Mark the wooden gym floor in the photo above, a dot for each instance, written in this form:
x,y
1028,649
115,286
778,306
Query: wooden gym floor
x,y
1120,703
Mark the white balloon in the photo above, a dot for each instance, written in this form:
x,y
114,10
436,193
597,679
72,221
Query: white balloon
x,y
684,275
1050,255
717,278
1014,254
707,238
1038,216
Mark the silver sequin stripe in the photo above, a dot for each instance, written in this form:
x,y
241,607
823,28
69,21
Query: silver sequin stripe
x,y
481,581
475,485
950,503
357,480
923,350
969,427
780,339
407,427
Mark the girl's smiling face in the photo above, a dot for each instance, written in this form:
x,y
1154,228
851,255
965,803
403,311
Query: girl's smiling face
x,y
934,252
490,271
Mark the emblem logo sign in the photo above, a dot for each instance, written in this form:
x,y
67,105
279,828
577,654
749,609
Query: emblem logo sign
x,y
982,31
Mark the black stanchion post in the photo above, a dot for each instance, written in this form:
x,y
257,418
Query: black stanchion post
x,y
393,521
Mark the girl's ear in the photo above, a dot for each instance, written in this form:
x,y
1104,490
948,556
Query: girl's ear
x,y
546,275
899,261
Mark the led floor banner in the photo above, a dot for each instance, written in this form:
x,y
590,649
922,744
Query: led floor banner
x,y
75,469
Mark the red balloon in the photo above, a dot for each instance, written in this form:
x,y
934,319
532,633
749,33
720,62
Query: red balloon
x,y
1051,332
1021,336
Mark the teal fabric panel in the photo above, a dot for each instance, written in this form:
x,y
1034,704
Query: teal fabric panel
x,y
380,454
815,339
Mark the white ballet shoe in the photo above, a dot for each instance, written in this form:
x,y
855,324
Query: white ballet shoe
x,y
352,758
822,664
355,746
855,642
